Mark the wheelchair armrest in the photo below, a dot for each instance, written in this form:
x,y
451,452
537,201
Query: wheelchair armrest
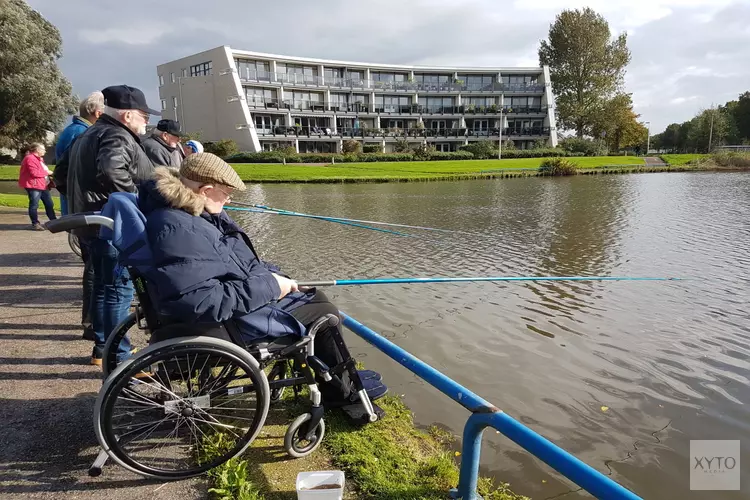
x,y
76,221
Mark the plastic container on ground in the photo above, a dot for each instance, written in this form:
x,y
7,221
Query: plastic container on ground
x,y
320,485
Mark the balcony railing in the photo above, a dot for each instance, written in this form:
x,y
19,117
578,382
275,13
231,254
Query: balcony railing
x,y
297,79
325,131
390,109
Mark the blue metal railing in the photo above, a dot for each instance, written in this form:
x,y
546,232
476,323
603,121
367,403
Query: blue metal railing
x,y
486,415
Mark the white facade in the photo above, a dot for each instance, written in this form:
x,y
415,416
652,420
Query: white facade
x,y
266,101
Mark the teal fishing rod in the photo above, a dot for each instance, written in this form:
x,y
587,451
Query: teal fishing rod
x,y
257,209
389,281
342,219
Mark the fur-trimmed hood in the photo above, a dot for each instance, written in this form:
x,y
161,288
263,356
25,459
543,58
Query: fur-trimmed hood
x,y
166,190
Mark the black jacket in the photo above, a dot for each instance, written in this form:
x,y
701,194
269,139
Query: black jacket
x,y
105,159
162,154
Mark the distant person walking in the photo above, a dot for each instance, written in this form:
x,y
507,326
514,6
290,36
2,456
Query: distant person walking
x,y
89,112
34,178
163,146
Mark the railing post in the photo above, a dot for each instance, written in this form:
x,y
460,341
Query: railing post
x,y
470,452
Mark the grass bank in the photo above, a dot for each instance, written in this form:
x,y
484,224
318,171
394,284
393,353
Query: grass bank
x,y
414,170
388,459
22,201
682,159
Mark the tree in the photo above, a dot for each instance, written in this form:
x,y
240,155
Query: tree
x,y
586,66
741,117
617,124
35,97
709,125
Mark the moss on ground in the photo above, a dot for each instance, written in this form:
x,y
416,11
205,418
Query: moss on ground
x,y
385,460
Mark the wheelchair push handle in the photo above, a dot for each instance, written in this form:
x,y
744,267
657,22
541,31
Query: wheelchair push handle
x,y
77,221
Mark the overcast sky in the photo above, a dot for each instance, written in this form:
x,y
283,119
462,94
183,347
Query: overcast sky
x,y
687,54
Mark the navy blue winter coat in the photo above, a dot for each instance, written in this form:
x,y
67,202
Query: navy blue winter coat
x,y
205,267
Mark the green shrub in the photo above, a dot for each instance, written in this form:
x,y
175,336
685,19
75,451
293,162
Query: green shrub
x,y
401,146
351,146
222,148
589,147
371,157
534,153
558,166
481,150
423,152
372,148
320,157
731,159
453,155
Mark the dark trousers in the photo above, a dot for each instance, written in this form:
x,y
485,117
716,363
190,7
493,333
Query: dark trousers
x,y
88,288
34,196
325,345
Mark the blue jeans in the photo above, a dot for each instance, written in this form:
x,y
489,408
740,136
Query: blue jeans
x,y
63,204
110,297
34,196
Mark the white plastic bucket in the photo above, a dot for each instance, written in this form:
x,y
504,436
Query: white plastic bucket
x,y
320,485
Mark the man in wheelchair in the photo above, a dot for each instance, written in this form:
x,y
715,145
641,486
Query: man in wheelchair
x,y
205,269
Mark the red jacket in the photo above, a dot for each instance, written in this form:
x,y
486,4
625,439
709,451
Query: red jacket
x,y
33,173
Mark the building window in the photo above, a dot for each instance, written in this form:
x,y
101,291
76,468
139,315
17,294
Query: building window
x,y
519,81
163,104
433,82
306,100
184,72
297,73
534,102
437,104
257,96
202,69
253,70
478,82
392,104
161,80
174,102
333,76
172,77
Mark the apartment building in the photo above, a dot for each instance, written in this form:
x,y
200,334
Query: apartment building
x,y
266,101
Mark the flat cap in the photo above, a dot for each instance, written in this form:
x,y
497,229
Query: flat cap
x,y
208,168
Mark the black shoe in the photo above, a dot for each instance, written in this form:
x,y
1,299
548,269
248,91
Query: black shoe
x,y
88,335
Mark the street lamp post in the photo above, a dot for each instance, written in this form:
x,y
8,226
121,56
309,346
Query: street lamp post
x,y
648,137
500,141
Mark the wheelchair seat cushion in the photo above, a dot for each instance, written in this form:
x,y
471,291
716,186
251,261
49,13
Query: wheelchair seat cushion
x,y
273,345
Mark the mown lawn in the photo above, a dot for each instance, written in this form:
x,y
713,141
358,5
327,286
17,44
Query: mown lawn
x,y
681,159
416,170
22,201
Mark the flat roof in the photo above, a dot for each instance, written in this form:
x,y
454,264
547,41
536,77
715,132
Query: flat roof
x,y
355,64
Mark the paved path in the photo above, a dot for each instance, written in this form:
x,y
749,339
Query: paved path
x,y
47,388
653,161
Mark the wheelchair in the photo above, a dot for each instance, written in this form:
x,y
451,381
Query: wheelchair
x,y
157,412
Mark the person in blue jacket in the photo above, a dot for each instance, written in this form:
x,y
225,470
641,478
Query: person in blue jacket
x,y
204,267
89,112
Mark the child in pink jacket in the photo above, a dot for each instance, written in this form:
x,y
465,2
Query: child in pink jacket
x,y
34,178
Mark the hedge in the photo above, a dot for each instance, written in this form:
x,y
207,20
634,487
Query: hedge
x,y
453,155
280,156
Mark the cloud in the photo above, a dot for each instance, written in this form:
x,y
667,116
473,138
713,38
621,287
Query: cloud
x,y
686,53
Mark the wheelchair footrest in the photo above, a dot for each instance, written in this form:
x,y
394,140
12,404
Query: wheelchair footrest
x,y
356,413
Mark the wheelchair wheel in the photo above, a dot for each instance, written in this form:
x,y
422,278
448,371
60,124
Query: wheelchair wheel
x,y
294,442
181,407
74,244
138,341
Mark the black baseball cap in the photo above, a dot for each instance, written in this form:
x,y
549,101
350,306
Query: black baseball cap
x,y
125,97
170,127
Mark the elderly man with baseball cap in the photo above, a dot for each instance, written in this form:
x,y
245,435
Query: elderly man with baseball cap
x,y
108,157
163,146
208,270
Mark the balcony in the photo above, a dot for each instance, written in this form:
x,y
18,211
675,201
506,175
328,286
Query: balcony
x,y
295,79
322,132
389,109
